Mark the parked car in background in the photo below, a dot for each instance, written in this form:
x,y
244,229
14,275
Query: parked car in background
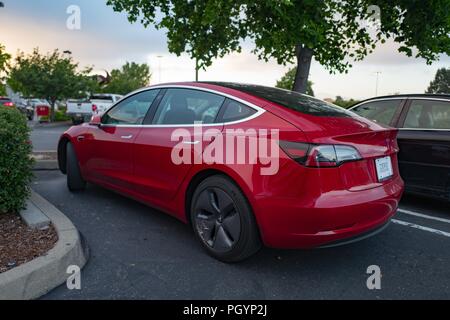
x,y
82,110
337,179
37,102
20,105
26,109
424,138
7,102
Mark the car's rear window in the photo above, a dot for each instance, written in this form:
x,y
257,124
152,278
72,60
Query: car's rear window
x,y
102,97
5,100
289,99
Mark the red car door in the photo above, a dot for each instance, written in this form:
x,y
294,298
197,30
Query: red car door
x,y
158,174
111,143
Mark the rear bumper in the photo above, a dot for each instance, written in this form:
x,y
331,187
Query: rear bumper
x,y
329,219
356,238
85,117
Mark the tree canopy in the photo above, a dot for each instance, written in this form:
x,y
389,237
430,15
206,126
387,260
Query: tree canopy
x,y
344,103
441,82
287,82
50,76
129,77
332,32
4,63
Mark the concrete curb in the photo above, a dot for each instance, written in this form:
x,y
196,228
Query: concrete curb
x,y
45,160
51,124
34,217
37,277
45,165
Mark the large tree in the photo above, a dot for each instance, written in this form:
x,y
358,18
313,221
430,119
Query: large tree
x,y
4,63
330,31
129,77
52,76
441,82
287,82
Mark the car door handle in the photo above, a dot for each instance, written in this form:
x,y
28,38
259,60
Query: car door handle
x,y
127,137
80,138
191,142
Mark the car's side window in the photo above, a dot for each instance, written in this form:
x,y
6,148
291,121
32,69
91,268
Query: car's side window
x,y
131,110
382,111
428,114
234,111
186,106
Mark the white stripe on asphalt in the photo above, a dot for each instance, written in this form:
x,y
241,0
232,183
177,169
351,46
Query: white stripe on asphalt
x,y
412,213
416,226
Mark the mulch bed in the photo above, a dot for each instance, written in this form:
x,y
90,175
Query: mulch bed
x,y
20,244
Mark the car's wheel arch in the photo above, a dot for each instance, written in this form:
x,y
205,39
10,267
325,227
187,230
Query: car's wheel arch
x,y
201,175
62,153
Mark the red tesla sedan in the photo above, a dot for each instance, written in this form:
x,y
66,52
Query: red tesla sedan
x,y
245,165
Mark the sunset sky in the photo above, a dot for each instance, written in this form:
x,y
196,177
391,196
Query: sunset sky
x,y
107,40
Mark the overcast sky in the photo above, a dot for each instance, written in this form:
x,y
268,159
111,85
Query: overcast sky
x,y
106,40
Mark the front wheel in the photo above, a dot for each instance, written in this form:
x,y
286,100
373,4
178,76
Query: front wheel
x,y
223,220
75,181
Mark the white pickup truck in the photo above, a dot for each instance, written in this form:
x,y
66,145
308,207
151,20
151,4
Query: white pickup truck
x,y
82,110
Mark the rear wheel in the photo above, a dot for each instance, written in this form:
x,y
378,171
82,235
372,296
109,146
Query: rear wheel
x,y
75,181
223,220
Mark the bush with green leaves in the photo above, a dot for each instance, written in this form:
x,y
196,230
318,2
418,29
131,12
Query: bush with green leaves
x,y
15,160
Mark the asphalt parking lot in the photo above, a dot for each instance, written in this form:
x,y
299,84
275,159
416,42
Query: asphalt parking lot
x,y
45,137
138,252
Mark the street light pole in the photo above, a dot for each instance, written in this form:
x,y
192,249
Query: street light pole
x,y
376,84
159,67
196,69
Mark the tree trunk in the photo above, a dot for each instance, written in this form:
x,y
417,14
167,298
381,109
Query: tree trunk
x,y
304,57
52,111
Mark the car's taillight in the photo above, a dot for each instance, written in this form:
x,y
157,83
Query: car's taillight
x,y
313,155
94,108
8,104
296,150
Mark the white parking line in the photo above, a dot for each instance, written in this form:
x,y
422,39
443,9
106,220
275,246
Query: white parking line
x,y
416,226
423,215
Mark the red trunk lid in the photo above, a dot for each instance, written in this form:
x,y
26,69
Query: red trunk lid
x,y
370,139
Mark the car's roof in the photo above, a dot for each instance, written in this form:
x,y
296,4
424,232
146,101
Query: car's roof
x,y
407,96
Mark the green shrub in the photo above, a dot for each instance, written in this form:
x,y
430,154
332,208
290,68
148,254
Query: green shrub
x,y
61,115
15,160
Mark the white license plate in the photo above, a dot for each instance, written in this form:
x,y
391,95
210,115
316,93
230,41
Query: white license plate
x,y
384,168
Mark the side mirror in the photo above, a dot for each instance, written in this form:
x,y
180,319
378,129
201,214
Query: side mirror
x,y
96,120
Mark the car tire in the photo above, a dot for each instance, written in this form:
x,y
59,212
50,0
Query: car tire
x,y
75,181
223,220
